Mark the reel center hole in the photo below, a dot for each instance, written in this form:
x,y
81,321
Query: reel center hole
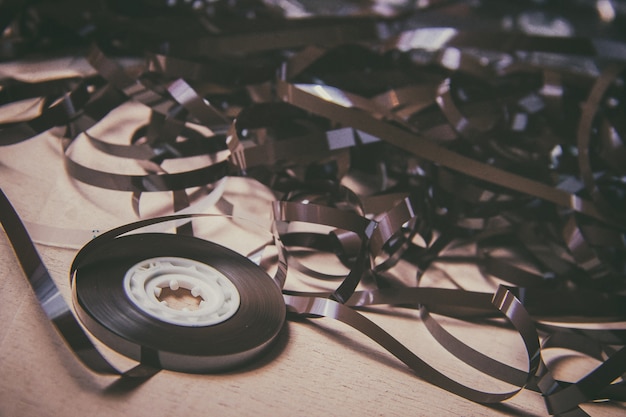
x,y
180,299
181,291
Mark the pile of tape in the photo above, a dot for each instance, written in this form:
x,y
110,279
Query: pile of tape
x,y
385,136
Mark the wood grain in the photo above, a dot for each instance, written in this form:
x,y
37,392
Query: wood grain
x,y
315,368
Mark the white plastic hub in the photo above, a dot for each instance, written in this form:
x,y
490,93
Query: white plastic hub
x,y
144,282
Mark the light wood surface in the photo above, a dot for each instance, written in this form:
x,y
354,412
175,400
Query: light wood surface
x,y
317,367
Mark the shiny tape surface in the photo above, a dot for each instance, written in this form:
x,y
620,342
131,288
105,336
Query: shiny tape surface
x,y
390,139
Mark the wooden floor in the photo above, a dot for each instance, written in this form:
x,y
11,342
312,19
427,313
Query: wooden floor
x,y
316,367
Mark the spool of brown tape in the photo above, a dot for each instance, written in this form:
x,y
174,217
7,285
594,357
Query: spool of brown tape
x,y
116,290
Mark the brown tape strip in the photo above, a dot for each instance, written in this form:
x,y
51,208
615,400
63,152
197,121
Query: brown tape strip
x,y
53,304
584,135
432,152
502,301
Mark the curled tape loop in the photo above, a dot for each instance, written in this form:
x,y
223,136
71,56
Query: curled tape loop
x,y
395,139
